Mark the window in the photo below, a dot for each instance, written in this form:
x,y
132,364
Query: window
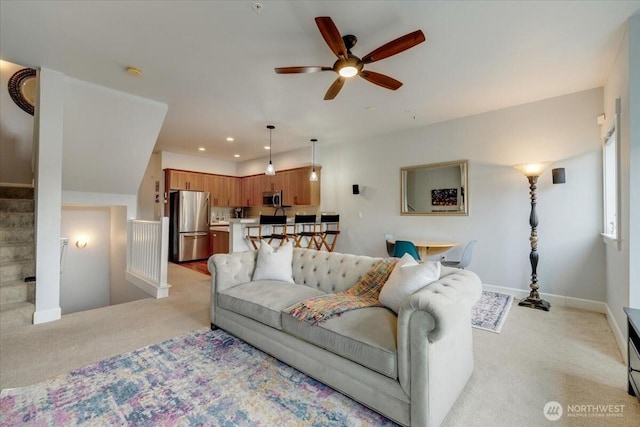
x,y
611,181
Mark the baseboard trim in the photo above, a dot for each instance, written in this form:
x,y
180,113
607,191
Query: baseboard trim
x,y
150,288
49,315
572,302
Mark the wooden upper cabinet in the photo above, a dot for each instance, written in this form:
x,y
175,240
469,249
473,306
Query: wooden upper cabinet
x,y
299,190
235,192
184,180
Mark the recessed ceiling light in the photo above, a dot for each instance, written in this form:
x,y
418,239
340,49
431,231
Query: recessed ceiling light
x,y
230,139
202,149
236,155
135,72
266,147
370,108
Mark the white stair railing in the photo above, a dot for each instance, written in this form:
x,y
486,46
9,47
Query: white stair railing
x,y
147,254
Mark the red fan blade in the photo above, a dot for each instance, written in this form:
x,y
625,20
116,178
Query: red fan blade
x,y
298,70
380,80
394,47
331,36
335,88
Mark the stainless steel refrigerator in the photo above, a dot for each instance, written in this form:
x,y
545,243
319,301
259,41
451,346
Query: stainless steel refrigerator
x,y
189,226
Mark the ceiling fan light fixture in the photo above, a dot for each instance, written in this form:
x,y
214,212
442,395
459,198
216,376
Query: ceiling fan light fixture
x,y
348,71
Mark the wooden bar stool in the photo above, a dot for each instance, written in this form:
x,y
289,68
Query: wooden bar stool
x,y
307,227
331,231
277,224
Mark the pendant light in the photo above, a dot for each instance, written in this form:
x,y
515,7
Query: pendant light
x,y
314,175
270,169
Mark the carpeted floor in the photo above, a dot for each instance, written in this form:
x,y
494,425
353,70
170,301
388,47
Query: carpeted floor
x,y
565,355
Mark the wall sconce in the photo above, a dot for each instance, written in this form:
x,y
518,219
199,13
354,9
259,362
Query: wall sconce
x,y
81,242
532,171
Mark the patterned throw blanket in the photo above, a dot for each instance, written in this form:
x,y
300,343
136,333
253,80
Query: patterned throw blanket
x,y
363,294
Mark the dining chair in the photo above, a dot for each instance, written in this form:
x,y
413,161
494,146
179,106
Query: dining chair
x,y
306,226
390,246
465,259
331,231
405,247
276,223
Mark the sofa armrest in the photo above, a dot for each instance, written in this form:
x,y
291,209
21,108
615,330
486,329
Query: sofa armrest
x,y
431,314
228,270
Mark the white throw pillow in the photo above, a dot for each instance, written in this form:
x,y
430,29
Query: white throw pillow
x,y
274,264
407,278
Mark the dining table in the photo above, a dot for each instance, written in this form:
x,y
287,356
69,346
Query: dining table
x,y
429,247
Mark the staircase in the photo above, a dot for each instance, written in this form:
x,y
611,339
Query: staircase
x,y
17,256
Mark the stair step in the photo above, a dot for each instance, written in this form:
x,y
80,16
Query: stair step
x,y
17,235
16,192
17,205
16,219
11,252
17,270
17,291
16,314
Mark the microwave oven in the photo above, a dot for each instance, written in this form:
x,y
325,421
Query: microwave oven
x,y
272,198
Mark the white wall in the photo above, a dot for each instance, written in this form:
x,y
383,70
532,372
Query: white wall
x,y
623,270
562,129
150,200
16,134
634,161
85,278
108,138
198,164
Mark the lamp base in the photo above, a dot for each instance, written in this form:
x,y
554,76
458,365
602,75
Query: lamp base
x,y
540,304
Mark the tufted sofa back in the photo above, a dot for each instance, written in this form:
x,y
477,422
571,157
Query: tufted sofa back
x,y
329,271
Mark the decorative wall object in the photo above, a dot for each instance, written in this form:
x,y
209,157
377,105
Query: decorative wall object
x,y
22,89
444,197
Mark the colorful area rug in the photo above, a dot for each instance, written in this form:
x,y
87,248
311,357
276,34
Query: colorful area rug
x,y
205,378
490,312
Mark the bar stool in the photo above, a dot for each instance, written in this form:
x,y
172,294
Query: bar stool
x,y
278,230
306,226
331,231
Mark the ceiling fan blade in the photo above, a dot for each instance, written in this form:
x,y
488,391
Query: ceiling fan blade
x,y
332,36
380,80
394,47
298,70
334,89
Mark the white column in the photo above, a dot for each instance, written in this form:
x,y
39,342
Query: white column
x,y
48,139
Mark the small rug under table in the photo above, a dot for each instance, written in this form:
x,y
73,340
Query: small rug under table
x,y
490,312
205,378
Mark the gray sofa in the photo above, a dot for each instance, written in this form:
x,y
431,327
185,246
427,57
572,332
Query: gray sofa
x,y
410,367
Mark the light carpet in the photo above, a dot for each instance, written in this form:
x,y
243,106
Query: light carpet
x,y
201,378
491,310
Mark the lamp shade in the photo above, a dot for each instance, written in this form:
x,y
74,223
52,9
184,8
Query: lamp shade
x,y
533,169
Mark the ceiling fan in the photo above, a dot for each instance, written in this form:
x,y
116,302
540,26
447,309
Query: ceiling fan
x,y
349,65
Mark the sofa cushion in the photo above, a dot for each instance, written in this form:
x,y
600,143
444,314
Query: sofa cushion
x,y
407,278
366,336
274,264
264,300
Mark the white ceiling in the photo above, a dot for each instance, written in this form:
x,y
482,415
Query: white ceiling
x,y
212,62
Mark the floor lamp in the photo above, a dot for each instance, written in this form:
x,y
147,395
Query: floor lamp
x,y
532,171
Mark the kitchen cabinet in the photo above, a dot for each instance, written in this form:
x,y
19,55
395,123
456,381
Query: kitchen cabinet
x,y
219,241
235,191
252,190
298,190
184,180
